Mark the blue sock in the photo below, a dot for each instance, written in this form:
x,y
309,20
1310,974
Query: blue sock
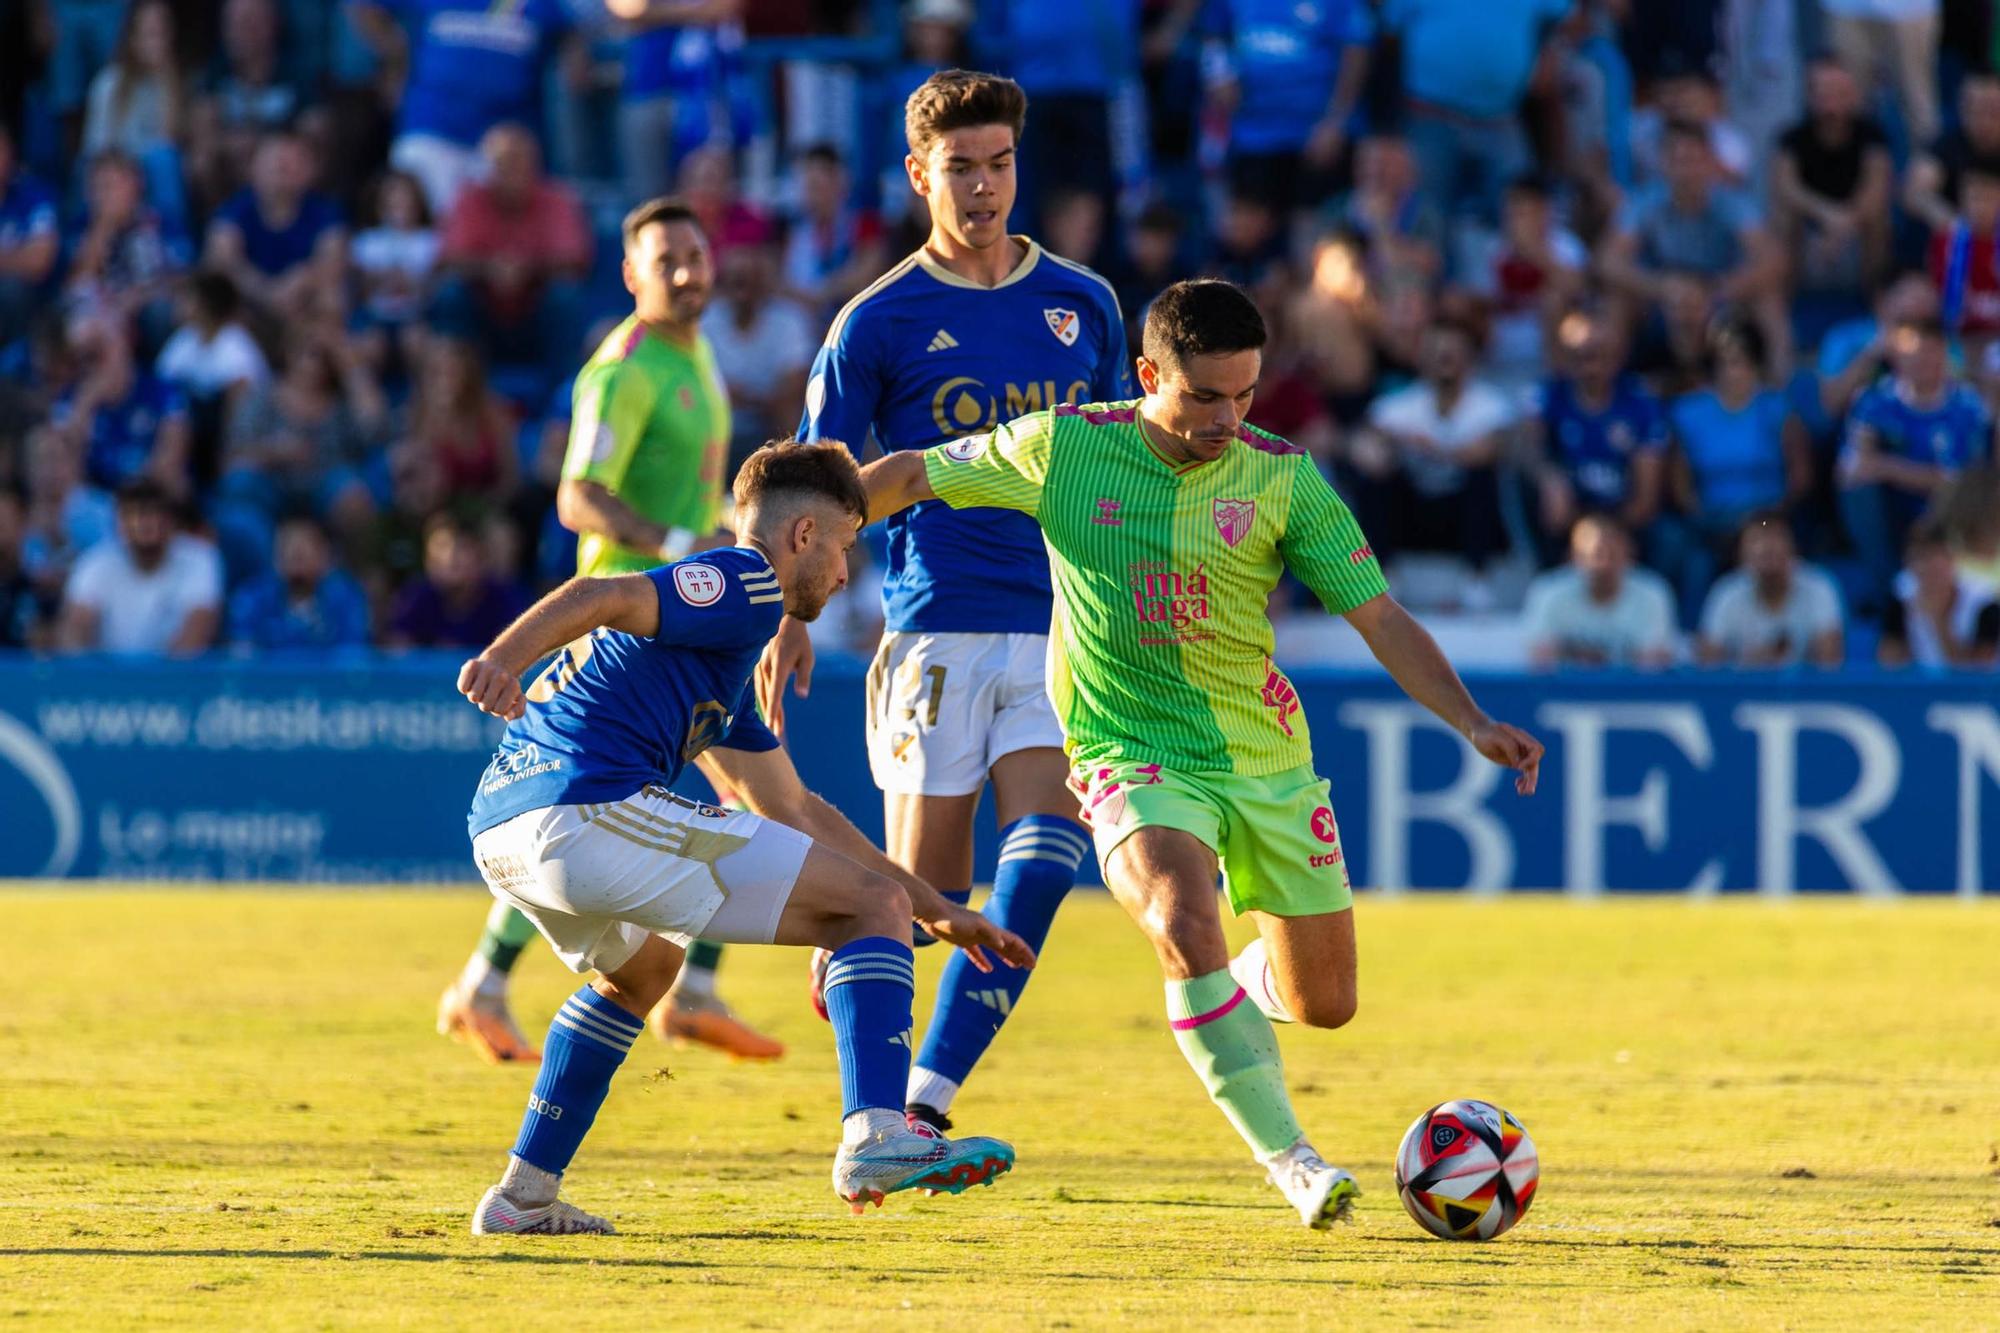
x,y
870,986
1039,855
587,1042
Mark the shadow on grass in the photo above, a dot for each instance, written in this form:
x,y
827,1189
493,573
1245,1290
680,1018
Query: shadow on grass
x,y
392,1256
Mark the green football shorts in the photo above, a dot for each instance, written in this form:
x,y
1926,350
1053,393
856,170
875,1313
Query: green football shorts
x,y
1275,835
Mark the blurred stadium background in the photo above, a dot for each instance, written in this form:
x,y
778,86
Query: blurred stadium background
x,y
1677,268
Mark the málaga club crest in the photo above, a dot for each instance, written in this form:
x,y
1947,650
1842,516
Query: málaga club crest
x,y
1233,519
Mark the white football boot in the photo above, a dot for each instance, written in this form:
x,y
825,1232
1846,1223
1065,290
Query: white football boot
x,y
916,1157
1323,1194
498,1215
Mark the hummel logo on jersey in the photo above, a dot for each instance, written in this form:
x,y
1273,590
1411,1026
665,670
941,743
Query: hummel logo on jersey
x,y
1107,513
993,999
944,342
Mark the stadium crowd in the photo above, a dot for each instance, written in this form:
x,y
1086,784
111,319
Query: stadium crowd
x,y
1675,326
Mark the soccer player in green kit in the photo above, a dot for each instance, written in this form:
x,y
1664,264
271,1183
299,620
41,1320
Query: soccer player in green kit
x,y
1168,522
642,487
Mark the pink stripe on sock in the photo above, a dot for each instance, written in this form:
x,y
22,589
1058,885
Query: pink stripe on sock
x,y
1183,1024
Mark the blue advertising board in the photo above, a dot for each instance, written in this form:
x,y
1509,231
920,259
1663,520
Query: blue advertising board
x,y
262,770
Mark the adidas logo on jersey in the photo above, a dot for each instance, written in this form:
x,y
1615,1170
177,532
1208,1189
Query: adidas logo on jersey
x,y
942,343
993,999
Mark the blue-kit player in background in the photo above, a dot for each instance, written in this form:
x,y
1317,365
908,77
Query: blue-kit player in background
x,y
573,824
977,327
472,65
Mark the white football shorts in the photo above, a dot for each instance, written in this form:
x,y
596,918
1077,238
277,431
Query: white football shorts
x,y
597,879
943,707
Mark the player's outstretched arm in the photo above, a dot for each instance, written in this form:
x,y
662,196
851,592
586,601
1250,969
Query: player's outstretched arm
x,y
627,602
769,784
894,482
1410,655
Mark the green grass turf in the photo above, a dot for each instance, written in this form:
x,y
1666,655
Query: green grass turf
x,y
227,1109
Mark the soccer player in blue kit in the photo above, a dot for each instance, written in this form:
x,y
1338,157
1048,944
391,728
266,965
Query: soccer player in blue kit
x,y
976,328
574,825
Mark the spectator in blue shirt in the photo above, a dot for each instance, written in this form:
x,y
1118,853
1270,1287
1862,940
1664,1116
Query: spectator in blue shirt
x,y
283,243
304,602
672,54
29,241
1603,435
128,421
1906,437
1290,74
125,257
1851,355
1689,231
471,66
1072,58
1738,450
1467,65
247,96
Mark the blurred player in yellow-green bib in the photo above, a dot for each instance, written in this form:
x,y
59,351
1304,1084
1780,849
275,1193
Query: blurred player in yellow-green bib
x,y
642,486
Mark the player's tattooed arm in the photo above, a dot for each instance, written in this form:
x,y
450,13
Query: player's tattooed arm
x,y
627,602
1409,654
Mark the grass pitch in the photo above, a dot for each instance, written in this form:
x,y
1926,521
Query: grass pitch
x,y
227,1109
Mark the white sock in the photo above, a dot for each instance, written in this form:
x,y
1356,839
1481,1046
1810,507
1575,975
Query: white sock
x,y
529,1184
694,983
931,1089
482,979
1252,970
868,1122
1297,1151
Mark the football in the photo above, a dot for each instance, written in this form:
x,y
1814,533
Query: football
x,y
1466,1170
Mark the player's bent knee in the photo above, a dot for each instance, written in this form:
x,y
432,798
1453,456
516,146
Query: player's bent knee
x,y
1331,1007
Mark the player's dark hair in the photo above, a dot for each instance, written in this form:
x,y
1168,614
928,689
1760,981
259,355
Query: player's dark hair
x,y
1201,317
825,471
958,99
664,208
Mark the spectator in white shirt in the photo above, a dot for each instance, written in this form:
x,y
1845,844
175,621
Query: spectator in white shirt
x,y
1774,610
1429,462
150,592
763,344
211,354
1940,616
1598,610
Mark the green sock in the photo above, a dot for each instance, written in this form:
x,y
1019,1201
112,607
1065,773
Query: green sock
x,y
507,933
1235,1052
697,978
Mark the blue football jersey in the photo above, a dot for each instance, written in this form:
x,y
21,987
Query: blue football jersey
x,y
613,712
1596,448
924,356
1954,434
